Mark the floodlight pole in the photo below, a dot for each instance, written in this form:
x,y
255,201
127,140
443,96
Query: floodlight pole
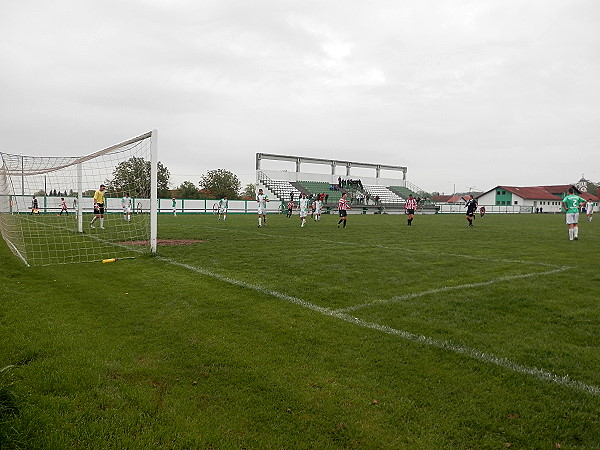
x,y
153,190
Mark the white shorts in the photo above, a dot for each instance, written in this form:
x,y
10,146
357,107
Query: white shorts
x,y
572,218
222,210
262,211
127,210
303,213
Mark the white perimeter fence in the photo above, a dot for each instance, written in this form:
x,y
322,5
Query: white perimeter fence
x,y
498,209
49,204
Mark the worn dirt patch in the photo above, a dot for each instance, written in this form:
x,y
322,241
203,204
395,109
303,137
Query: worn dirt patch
x,y
165,242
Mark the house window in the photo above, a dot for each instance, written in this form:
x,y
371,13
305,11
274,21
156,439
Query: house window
x,y
516,202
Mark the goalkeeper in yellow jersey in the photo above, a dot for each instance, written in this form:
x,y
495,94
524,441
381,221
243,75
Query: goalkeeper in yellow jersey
x,y
99,207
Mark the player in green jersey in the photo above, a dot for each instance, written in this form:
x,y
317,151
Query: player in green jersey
x,y
571,203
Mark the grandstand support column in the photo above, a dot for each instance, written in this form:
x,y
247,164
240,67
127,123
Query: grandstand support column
x,y
348,166
258,158
378,172
22,175
79,198
298,165
333,167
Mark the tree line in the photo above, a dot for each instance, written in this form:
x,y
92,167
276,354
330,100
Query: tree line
x,y
133,177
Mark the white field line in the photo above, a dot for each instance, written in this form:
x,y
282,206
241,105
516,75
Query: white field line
x,y
400,298
540,374
96,238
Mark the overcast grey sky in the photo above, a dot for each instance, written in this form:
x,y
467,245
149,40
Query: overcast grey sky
x,y
472,93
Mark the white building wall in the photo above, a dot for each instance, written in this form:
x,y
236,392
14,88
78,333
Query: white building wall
x,y
488,199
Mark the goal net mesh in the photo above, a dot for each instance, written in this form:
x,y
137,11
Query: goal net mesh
x,y
46,204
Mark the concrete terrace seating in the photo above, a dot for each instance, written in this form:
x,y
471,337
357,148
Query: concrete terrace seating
x,y
385,195
402,191
282,189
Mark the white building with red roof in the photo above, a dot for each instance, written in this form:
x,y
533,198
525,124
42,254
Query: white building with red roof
x,y
529,198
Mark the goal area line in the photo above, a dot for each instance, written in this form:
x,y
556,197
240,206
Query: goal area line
x,y
71,234
400,298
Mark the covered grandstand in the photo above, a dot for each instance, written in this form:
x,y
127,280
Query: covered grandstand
x,y
373,193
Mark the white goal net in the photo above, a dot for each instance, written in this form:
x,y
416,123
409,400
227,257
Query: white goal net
x,y
47,203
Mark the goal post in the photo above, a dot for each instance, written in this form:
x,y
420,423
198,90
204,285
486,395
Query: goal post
x,y
153,190
47,213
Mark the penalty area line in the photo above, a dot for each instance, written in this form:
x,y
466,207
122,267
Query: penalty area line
x,y
400,298
540,374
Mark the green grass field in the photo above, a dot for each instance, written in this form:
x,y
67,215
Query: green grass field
x,y
377,336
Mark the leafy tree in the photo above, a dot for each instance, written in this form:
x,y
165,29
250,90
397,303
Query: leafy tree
x,y
133,176
249,191
187,189
221,182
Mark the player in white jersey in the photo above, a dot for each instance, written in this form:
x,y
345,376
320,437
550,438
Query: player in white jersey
x,y
261,200
303,207
126,203
589,211
223,205
318,205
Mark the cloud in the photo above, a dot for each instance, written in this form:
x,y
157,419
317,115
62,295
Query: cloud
x,y
508,85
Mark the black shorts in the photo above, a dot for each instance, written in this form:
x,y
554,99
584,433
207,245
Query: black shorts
x,y
343,213
99,208
410,211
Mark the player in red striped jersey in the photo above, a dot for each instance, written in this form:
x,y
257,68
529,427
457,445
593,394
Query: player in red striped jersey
x,y
410,207
343,208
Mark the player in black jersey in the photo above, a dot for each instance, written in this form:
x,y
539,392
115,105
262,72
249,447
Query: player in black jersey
x,y
471,206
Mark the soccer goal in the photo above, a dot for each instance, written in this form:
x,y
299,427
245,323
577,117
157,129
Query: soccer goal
x,y
47,203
